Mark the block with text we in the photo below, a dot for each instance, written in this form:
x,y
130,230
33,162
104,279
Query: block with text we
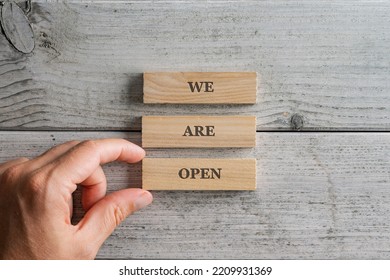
x,y
200,87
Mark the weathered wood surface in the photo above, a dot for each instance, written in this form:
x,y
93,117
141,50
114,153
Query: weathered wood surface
x,y
319,195
326,60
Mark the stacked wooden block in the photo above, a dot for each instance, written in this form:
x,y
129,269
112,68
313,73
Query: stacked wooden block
x,y
199,131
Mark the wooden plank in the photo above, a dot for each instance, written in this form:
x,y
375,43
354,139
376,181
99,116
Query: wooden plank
x,y
324,60
318,196
198,174
198,131
200,87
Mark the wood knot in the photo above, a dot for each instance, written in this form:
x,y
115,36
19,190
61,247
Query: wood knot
x,y
296,122
16,27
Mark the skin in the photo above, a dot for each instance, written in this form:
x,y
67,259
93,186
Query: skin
x,y
36,200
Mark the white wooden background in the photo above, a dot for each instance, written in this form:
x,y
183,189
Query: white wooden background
x,y
322,193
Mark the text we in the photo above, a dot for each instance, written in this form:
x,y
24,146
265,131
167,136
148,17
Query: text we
x,y
201,86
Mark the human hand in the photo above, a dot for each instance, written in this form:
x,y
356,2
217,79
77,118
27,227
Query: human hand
x,y
36,200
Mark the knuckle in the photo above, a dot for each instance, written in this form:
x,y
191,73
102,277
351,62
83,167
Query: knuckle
x,y
34,182
10,174
67,145
72,143
89,144
119,215
59,147
23,159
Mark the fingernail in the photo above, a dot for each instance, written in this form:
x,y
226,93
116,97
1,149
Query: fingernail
x,y
141,150
138,147
143,200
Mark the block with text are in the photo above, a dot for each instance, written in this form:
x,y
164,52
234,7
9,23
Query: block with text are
x,y
198,174
200,87
198,131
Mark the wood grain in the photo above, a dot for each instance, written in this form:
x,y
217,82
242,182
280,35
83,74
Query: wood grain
x,y
197,174
325,60
200,87
319,196
198,131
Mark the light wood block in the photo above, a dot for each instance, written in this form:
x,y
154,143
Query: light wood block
x,y
198,174
200,87
198,131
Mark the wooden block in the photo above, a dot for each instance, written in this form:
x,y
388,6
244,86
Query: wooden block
x,y
198,131
198,174
200,87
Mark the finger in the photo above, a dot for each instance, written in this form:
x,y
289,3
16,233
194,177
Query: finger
x,y
50,155
94,188
81,161
101,220
11,163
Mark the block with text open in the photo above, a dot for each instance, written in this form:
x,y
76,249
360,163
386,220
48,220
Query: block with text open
x,y
198,174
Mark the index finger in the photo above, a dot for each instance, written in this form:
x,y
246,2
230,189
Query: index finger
x,y
81,161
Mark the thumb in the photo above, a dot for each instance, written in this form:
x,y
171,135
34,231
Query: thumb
x,y
104,216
